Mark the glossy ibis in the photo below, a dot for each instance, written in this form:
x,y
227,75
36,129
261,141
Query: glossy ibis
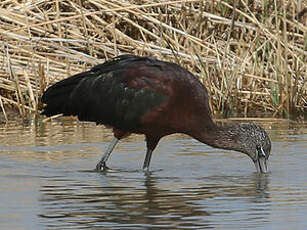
x,y
143,95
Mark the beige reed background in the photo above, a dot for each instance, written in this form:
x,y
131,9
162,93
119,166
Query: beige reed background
x,y
251,55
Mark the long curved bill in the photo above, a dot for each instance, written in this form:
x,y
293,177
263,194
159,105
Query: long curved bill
x,y
260,163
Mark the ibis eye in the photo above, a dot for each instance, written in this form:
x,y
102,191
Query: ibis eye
x,y
261,152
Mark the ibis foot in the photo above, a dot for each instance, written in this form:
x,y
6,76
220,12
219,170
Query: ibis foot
x,y
101,166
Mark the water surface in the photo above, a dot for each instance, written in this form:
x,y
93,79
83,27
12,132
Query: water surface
x,y
47,181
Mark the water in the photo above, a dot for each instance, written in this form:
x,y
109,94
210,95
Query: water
x,y
47,181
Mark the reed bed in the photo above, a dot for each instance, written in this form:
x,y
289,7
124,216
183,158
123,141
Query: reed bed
x,y
251,55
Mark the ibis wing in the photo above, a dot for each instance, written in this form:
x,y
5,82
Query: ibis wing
x,y
117,97
110,99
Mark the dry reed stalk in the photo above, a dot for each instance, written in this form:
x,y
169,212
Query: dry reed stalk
x,y
16,104
30,90
3,109
51,118
252,119
13,76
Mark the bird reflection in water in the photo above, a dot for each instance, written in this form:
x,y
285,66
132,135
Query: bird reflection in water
x,y
133,200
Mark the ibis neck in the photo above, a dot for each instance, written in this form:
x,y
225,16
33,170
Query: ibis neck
x,y
219,137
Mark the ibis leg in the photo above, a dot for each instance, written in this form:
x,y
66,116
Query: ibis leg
x,y
151,142
102,163
147,159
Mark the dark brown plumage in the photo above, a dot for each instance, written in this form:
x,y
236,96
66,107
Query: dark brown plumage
x,y
146,96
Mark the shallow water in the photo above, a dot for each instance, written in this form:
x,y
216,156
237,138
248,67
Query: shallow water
x,y
47,181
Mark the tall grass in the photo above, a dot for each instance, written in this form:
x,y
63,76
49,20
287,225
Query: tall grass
x,y
251,55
